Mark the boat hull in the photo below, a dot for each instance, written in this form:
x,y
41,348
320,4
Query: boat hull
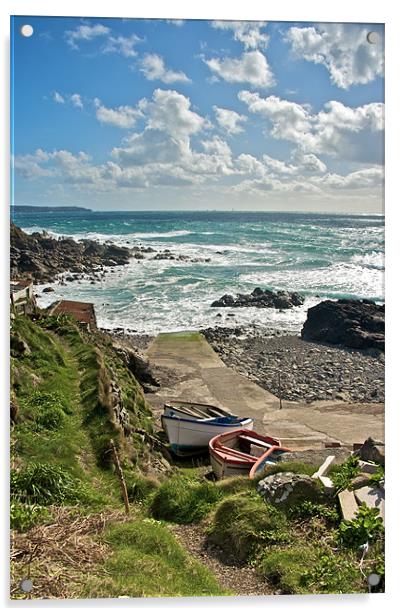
x,y
187,437
229,468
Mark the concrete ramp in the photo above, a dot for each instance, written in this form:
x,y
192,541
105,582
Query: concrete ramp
x,y
198,374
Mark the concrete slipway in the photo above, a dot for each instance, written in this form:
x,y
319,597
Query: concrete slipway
x,y
197,373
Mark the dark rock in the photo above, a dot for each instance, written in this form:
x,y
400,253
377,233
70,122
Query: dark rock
x,y
42,257
260,299
372,451
353,323
48,290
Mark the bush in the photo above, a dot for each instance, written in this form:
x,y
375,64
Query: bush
x,y
184,500
333,573
139,487
366,526
24,516
242,524
308,509
44,484
286,567
342,474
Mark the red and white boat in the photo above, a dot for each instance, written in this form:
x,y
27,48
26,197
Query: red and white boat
x,y
235,453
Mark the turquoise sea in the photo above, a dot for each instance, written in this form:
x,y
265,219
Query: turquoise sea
x,y
318,255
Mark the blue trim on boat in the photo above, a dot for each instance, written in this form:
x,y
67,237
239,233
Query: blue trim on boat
x,y
240,422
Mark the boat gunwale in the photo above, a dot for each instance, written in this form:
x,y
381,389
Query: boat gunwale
x,y
242,421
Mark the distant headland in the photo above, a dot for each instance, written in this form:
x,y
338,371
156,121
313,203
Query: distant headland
x,y
49,208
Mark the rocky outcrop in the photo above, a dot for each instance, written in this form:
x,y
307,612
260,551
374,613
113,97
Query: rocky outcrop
x,y
352,323
41,257
288,489
371,451
260,299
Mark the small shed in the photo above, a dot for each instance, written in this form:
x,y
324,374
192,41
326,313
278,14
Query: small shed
x,y
83,312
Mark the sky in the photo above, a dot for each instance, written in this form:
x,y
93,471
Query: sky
x,y
140,114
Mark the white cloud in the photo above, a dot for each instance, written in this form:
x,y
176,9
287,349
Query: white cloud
x,y
337,130
122,45
58,98
364,178
123,116
246,32
252,67
342,48
308,162
170,112
85,32
229,120
289,119
153,67
152,145
76,100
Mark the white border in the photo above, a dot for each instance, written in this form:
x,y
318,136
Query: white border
x,y
384,11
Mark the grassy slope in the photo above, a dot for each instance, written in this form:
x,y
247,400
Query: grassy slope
x,y
73,371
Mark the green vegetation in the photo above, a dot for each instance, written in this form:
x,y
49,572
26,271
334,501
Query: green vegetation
x,y
64,384
366,526
62,390
148,562
243,523
342,474
24,516
184,500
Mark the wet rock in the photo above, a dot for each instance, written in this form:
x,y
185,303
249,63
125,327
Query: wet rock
x,y
353,323
260,298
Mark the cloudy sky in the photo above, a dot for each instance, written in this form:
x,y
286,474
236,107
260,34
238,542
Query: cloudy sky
x,y
168,114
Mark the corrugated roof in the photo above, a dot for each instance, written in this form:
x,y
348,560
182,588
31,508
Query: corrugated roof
x,y
83,312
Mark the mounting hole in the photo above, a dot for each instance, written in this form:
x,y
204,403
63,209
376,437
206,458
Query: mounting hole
x,y
373,579
372,38
26,30
26,585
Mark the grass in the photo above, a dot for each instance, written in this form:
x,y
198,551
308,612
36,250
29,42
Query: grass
x,y
241,524
184,500
147,561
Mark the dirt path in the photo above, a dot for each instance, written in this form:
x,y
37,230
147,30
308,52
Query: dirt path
x,y
239,579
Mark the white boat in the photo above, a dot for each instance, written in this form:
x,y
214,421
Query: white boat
x,y
190,426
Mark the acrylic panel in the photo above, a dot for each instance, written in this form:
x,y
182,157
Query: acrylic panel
x,y
197,308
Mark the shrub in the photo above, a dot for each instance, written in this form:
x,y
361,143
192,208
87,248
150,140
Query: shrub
x,y
342,474
307,509
24,516
333,573
242,523
184,500
285,567
140,487
366,526
44,484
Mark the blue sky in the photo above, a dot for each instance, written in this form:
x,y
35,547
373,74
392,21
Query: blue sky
x,y
159,114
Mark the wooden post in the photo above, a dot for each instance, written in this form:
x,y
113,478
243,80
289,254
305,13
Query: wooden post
x,y
279,390
120,476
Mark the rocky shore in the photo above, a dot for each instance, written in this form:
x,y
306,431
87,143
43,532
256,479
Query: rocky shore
x,y
42,258
301,370
260,298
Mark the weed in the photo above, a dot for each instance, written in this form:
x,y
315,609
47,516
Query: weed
x,y
366,526
342,474
24,516
44,484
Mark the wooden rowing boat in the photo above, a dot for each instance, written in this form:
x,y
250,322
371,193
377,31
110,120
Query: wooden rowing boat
x,y
236,452
190,426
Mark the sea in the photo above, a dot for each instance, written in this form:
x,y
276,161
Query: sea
x,y
321,256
